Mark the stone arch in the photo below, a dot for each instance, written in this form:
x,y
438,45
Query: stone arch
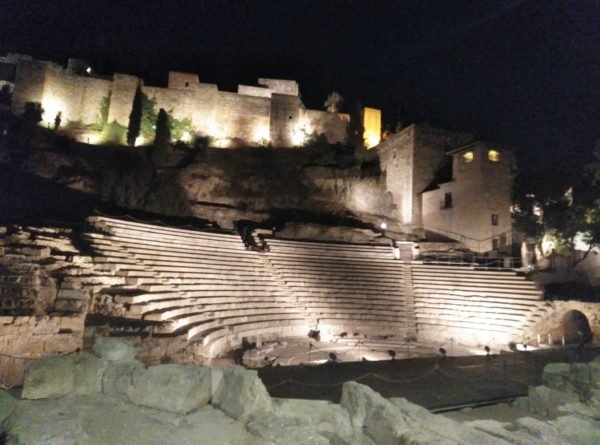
x,y
576,327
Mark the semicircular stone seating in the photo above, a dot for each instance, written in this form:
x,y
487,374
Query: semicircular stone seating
x,y
352,288
474,306
207,287
204,285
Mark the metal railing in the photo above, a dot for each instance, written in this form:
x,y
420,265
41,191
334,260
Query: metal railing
x,y
472,243
471,259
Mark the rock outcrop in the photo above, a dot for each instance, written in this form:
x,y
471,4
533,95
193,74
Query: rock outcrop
x,y
109,397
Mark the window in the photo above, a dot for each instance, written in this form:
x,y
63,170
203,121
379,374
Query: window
x,y
495,243
494,219
187,84
494,155
448,200
467,157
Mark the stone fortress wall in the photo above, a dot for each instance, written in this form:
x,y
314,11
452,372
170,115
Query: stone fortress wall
x,y
272,113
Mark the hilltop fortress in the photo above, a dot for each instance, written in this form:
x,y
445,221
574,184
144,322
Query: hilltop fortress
x,y
271,113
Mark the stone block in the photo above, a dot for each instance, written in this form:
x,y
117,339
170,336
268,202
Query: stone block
x,y
542,432
328,418
371,413
74,306
555,375
545,401
114,349
581,409
72,294
242,395
118,377
89,371
539,399
595,373
502,431
174,388
580,379
58,343
49,377
216,375
7,405
285,431
577,430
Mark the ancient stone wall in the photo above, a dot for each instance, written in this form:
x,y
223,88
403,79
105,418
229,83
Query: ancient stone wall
x,y
553,323
43,299
253,116
396,156
29,85
285,113
123,91
281,86
241,119
249,90
331,124
178,80
78,98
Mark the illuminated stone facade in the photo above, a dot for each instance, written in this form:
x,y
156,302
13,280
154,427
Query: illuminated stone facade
x,y
473,206
271,113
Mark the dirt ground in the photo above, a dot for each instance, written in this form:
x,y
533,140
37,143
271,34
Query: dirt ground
x,y
433,382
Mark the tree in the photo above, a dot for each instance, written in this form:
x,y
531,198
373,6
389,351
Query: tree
x,y
160,149
33,112
334,102
355,130
574,213
5,95
135,118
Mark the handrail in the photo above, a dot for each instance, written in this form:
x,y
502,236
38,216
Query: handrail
x,y
471,259
467,239
443,231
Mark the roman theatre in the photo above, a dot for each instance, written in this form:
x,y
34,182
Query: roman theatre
x,y
401,250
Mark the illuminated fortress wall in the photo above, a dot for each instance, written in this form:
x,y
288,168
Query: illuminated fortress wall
x,y
272,113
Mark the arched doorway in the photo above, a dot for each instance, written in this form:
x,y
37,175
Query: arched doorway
x,y
576,327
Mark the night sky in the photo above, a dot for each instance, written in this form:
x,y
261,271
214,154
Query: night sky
x,y
525,73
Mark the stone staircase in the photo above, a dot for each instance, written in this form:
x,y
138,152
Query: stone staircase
x,y
344,287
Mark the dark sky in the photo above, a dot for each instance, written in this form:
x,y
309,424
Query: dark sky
x,y
517,71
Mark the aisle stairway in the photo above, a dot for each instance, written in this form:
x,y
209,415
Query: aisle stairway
x,y
344,287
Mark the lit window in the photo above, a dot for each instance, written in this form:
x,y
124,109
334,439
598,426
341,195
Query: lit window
x,y
467,157
494,220
494,155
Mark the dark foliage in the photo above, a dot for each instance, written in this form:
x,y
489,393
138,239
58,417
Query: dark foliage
x,y
135,118
33,112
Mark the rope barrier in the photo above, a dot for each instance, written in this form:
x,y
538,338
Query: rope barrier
x,y
361,377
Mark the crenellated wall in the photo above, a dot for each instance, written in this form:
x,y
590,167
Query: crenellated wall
x,y
272,113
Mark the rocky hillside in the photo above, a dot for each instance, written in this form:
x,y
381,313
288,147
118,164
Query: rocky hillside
x,y
319,184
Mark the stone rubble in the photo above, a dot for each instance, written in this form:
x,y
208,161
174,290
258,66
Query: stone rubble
x,y
109,397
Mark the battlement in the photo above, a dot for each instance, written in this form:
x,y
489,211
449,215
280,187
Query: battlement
x,y
271,113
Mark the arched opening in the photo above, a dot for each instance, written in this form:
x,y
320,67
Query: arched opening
x,y
576,327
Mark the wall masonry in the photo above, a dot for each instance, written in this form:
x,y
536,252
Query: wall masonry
x,y
253,116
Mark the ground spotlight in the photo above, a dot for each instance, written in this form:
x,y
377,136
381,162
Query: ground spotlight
x,y
487,350
443,352
333,357
392,354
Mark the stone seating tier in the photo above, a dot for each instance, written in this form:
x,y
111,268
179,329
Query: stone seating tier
x,y
203,328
